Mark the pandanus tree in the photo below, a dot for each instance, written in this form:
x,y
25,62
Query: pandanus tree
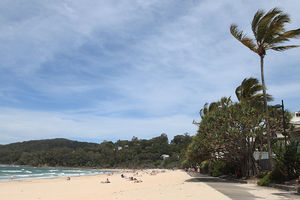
x,y
269,34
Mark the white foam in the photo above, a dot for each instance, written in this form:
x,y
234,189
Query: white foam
x,y
11,171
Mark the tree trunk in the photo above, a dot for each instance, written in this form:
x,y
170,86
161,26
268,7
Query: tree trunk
x,y
266,110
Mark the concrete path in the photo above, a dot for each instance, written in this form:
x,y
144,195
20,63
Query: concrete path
x,y
238,191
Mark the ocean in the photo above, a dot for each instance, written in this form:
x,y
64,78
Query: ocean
x,y
9,173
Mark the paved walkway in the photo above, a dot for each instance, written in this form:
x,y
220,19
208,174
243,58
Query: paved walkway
x,y
238,191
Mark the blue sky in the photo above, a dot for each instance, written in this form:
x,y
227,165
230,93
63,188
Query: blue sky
x,y
96,70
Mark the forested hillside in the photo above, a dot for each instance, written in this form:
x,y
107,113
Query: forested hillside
x,y
137,153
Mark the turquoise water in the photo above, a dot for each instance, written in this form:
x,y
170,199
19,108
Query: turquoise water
x,y
8,173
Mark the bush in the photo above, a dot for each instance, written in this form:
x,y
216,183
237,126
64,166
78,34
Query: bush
x,y
288,159
261,175
265,181
204,167
276,176
218,169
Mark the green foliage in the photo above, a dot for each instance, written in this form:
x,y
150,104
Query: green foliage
x,y
205,166
275,176
218,168
122,154
265,181
230,132
269,32
288,159
261,174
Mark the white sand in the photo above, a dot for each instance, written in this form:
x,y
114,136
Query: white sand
x,y
166,186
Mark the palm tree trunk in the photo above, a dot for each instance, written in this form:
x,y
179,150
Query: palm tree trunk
x,y
266,110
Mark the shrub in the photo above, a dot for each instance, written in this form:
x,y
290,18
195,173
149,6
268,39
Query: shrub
x,y
218,169
204,167
276,176
288,159
261,174
265,181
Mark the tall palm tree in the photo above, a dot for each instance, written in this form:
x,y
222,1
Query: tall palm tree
x,y
269,33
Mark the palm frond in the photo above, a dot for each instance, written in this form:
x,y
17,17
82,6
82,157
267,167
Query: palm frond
x,y
238,92
260,98
283,48
255,20
250,92
264,24
240,36
286,36
276,27
292,33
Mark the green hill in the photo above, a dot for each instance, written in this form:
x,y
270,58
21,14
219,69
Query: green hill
x,y
137,153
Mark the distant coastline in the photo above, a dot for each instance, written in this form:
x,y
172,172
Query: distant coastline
x,y
157,152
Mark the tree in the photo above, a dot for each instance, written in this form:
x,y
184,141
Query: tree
x,y
250,92
228,134
269,33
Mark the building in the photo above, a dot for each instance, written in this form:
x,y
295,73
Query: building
x,y
296,122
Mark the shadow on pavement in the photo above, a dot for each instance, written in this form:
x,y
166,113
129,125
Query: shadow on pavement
x,y
212,180
233,189
287,195
207,179
230,188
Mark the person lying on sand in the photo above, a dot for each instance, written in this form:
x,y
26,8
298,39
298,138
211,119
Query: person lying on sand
x,y
132,178
68,178
107,181
138,181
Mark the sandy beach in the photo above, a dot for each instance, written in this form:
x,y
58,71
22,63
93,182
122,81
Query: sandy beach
x,y
162,185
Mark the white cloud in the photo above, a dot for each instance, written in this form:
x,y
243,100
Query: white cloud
x,y
121,61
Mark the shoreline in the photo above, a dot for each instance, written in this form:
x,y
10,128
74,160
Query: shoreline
x,y
10,173
98,172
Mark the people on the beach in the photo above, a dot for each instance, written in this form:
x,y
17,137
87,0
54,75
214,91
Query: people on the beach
x,y
132,178
138,181
68,178
107,181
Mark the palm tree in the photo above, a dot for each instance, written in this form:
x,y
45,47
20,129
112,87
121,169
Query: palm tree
x,y
249,92
269,33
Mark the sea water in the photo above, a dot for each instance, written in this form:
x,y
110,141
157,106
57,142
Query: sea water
x,y
8,173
